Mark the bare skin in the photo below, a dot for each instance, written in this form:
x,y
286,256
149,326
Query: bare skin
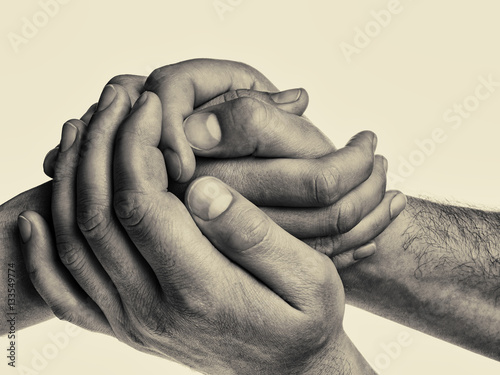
x,y
336,212
214,284
437,270
380,284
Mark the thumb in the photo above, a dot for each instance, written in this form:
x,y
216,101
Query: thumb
x,y
243,233
294,101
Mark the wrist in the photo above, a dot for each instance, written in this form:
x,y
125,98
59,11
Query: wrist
x,y
340,357
381,283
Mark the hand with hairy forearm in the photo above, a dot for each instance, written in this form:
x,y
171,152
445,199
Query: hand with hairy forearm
x,y
345,203
437,269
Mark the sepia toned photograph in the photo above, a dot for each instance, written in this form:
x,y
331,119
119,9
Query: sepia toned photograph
x,y
250,187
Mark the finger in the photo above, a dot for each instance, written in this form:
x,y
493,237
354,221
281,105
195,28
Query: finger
x,y
370,227
249,238
51,279
338,218
353,256
294,182
73,250
294,101
248,126
133,85
49,161
183,87
95,215
50,158
155,220
88,115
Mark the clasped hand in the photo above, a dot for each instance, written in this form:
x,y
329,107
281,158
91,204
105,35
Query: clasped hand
x,y
213,282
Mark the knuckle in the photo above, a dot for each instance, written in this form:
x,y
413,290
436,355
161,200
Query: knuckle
x,y
325,186
70,255
251,115
133,85
253,230
196,305
320,284
326,245
63,172
326,295
154,79
321,274
94,139
93,220
158,76
335,243
131,207
154,318
314,331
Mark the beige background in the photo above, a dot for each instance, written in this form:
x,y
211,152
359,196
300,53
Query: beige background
x,y
428,57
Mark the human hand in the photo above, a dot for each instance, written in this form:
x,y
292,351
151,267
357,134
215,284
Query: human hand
x,y
260,301
184,86
262,180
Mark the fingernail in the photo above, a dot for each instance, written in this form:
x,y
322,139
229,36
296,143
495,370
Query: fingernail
x,y
202,131
107,97
68,136
285,97
174,167
398,204
208,198
365,251
142,99
375,142
24,228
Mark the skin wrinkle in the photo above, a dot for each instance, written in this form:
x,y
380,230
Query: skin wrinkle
x,y
299,328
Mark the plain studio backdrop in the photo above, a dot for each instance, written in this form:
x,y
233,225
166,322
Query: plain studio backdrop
x,y
401,72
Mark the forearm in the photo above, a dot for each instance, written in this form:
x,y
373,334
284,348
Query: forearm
x,y
30,307
437,269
